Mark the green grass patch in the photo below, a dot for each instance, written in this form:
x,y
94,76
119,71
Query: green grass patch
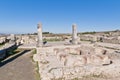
x,y
95,76
58,78
75,79
52,40
37,75
11,53
51,70
89,32
34,52
2,45
73,53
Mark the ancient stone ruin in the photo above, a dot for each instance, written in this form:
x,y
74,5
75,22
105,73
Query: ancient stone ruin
x,y
68,62
74,34
39,41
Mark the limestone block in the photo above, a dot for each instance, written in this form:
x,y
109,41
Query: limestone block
x,y
69,61
55,50
57,72
72,50
96,59
66,71
72,61
36,57
61,55
100,51
78,51
82,60
46,76
106,60
89,60
67,50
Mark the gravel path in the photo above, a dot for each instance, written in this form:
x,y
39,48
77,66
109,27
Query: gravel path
x,y
18,67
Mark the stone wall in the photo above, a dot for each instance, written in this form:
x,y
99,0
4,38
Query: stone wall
x,y
114,40
6,49
88,38
2,40
69,62
26,39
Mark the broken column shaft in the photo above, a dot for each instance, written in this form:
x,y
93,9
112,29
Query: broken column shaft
x,y
74,34
40,41
12,38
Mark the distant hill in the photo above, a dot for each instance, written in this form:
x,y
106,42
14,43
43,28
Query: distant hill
x,y
3,34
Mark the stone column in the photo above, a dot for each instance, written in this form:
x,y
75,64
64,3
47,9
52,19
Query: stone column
x,y
74,34
94,38
20,39
12,38
40,41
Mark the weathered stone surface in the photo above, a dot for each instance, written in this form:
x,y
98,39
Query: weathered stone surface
x,y
40,41
74,34
67,62
12,38
100,51
106,60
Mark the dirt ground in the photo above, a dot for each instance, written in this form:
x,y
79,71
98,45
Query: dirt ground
x,y
18,67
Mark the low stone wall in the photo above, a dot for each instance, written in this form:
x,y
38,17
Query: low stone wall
x,y
69,62
111,40
88,38
2,40
4,51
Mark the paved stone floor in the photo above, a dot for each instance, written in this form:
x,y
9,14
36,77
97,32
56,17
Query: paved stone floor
x,y
18,67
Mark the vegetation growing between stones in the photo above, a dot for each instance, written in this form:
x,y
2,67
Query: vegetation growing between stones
x,y
107,32
45,62
37,75
62,78
1,45
34,52
37,71
76,79
111,48
73,53
52,40
84,40
95,76
11,52
58,78
51,69
89,32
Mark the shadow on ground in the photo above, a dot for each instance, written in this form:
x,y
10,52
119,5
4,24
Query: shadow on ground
x,y
12,58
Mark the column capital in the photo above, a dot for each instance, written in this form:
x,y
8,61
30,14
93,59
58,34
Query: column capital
x,y
39,25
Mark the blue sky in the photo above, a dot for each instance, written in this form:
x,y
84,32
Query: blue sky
x,y
57,16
